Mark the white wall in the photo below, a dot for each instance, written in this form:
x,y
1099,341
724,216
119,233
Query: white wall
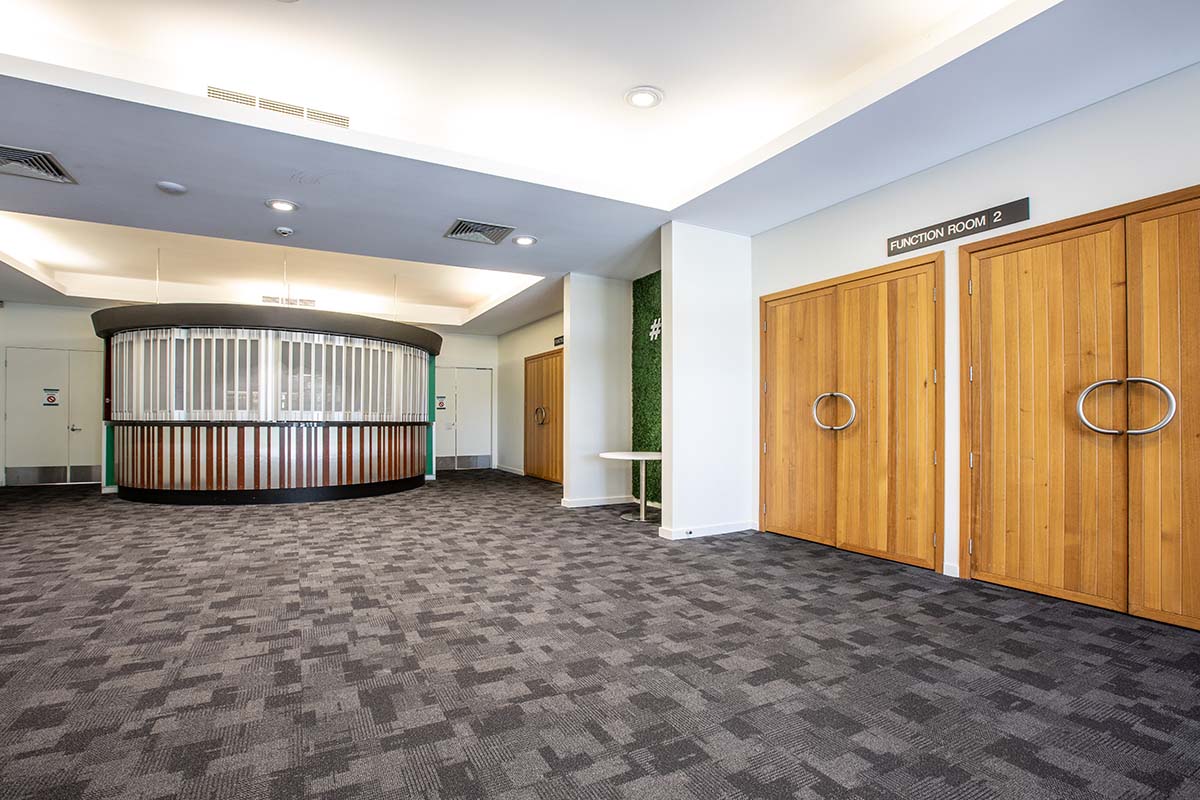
x,y
467,350
1139,143
57,327
597,389
536,337
708,393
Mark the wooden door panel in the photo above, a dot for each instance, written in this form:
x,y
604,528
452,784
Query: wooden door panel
x,y
887,350
1049,496
800,464
1164,467
544,390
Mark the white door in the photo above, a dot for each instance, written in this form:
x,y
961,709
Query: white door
x,y
473,418
85,431
463,418
36,416
443,418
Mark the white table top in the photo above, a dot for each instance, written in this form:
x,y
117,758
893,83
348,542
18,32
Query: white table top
x,y
632,455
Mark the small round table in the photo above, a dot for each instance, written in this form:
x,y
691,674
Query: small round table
x,y
641,456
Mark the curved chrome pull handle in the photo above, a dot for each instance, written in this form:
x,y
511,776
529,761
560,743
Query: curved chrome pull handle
x,y
1083,396
539,415
817,418
1171,406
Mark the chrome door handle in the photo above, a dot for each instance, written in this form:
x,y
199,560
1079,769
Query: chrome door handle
x,y
817,418
1171,407
539,415
1083,396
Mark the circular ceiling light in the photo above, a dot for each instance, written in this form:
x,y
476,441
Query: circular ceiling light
x,y
171,187
279,204
525,240
644,96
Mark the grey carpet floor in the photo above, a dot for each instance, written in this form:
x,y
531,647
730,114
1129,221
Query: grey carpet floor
x,y
475,639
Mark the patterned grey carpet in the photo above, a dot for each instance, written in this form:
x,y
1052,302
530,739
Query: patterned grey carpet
x,y
474,639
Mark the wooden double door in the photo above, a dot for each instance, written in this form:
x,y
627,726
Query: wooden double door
x,y
543,415
851,414
1083,444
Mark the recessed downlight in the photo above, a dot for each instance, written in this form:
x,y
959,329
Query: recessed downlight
x,y
525,240
279,204
171,187
644,96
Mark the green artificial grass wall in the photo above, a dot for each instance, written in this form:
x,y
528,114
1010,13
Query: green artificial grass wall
x,y
647,380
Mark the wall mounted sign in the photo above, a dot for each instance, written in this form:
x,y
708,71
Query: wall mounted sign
x,y
50,397
656,329
441,402
558,340
986,220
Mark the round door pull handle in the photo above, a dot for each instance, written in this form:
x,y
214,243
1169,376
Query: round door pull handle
x,y
817,417
1172,406
1083,396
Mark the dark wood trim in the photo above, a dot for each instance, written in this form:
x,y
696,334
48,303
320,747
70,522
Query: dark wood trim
x,y
233,497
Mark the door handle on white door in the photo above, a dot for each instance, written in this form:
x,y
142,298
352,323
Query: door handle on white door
x,y
74,428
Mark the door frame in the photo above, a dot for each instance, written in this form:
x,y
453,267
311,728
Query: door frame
x,y
554,352
965,254
938,260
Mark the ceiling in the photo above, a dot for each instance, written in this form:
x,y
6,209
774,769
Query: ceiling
x,y
531,89
519,120
110,262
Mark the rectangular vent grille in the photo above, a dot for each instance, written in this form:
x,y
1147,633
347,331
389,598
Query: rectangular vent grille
x,y
282,108
482,232
232,96
279,107
340,120
36,164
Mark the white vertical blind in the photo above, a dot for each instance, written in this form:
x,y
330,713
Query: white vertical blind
x,y
230,374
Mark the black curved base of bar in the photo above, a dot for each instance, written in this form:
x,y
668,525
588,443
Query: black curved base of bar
x,y
245,497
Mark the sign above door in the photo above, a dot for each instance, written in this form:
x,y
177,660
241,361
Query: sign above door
x,y
967,225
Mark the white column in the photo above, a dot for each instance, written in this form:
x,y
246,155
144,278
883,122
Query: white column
x,y
708,383
597,387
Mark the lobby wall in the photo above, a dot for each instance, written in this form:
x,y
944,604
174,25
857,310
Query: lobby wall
x,y
1133,145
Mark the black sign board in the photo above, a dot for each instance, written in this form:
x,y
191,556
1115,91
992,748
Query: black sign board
x,y
558,340
986,220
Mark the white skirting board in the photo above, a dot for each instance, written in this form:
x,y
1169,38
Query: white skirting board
x,y
584,502
511,470
706,530
108,490
951,569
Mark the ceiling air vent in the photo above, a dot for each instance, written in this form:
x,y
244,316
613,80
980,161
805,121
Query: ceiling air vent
x,y
483,232
36,164
279,107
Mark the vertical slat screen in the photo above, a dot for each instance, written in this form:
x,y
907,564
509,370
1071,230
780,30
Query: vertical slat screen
x,y
224,374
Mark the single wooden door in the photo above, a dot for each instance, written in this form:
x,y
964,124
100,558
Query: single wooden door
x,y
544,415
1049,495
886,357
1164,465
799,458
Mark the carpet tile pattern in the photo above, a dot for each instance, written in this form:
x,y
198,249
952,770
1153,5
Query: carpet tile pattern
x,y
473,639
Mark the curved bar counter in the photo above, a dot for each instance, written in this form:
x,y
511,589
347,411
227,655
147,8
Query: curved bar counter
x,y
245,404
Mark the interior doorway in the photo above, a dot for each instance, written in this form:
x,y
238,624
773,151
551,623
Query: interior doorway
x,y
463,418
52,426
544,415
